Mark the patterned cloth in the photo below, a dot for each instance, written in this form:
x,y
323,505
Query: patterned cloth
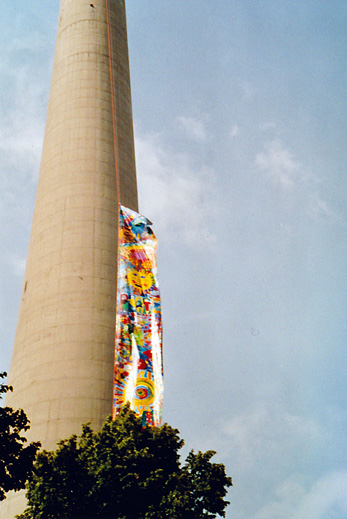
x,y
138,370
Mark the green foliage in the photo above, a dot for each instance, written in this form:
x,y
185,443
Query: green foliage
x,y
16,461
125,471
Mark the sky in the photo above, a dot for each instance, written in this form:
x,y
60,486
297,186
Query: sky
x,y
239,113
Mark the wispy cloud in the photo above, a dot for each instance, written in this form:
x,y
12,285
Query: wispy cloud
x,y
174,191
279,163
249,91
326,497
192,127
273,433
21,137
23,109
21,128
320,208
271,125
234,132
17,264
32,43
279,447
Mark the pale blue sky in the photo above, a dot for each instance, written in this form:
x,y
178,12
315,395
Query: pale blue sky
x,y
239,111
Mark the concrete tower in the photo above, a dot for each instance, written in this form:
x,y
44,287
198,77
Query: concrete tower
x,y
62,363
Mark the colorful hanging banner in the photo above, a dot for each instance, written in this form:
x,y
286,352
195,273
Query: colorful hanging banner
x,y
138,370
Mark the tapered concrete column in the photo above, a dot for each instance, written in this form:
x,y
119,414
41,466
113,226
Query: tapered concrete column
x,y
62,364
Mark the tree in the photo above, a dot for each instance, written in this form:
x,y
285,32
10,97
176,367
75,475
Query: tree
x,y
125,471
16,461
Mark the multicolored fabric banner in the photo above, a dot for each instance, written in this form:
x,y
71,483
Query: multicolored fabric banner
x,y
138,376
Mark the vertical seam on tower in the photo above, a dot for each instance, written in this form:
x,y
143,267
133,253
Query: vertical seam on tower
x,y
116,168
112,100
